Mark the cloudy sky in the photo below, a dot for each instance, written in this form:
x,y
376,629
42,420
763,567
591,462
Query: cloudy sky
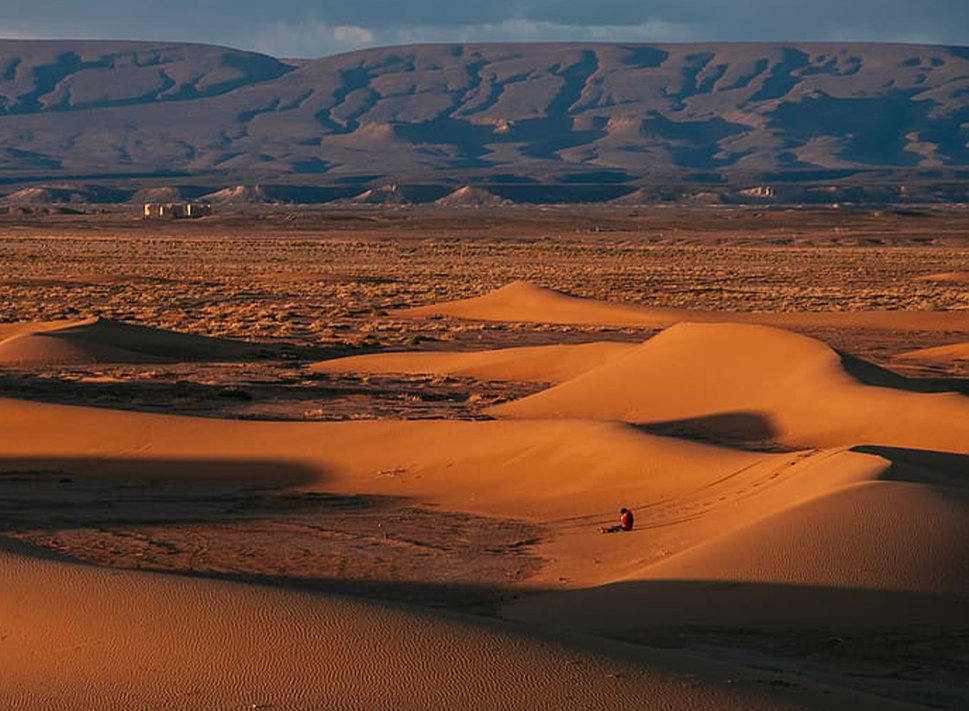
x,y
313,28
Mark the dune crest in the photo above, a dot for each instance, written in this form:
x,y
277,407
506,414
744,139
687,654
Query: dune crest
x,y
98,340
545,364
796,387
938,354
523,301
568,476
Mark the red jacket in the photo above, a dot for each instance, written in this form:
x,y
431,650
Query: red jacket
x,y
626,521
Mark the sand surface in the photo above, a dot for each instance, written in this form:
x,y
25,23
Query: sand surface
x,y
565,475
76,636
526,301
778,485
792,388
547,364
97,340
939,354
90,633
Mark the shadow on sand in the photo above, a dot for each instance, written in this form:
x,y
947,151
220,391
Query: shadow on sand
x,y
740,430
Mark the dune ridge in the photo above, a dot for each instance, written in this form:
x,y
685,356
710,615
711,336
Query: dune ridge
x,y
547,364
863,522
938,354
567,475
98,340
91,637
522,301
795,388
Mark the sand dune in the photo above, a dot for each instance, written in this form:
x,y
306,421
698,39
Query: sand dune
x,y
795,389
78,636
546,364
939,354
866,525
526,302
543,470
99,340
952,277
568,476
868,553
82,633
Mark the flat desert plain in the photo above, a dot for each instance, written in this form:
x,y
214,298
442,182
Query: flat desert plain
x,y
366,459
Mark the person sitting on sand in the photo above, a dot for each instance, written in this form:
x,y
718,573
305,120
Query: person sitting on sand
x,y
625,522
625,519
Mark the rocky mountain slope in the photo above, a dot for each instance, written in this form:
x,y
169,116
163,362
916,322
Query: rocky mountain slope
x,y
498,113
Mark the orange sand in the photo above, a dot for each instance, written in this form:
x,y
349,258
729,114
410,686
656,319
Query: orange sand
x,y
939,354
98,340
793,387
547,364
525,302
865,523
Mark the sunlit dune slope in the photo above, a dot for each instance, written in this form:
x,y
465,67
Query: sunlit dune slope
x,y
939,354
547,364
526,302
570,476
543,469
876,553
795,389
79,637
99,340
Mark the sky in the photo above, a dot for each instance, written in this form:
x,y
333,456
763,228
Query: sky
x,y
315,28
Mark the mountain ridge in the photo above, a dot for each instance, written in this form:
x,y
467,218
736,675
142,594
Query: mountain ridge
x,y
596,112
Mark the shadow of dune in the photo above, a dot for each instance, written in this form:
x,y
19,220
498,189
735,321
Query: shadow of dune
x,y
868,373
258,395
923,466
744,430
630,607
30,550
44,494
781,634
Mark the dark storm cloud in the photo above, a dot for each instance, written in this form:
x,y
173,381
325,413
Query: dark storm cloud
x,y
316,27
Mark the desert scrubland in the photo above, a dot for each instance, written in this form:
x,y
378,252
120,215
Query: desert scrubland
x,y
357,459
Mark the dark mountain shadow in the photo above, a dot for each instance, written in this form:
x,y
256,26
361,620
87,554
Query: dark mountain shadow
x,y
541,137
559,193
600,177
644,57
782,77
695,63
760,66
249,68
873,129
695,143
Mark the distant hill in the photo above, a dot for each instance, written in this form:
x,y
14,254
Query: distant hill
x,y
67,193
573,114
471,196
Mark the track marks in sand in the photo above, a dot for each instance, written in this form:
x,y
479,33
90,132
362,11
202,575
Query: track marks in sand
x,y
730,490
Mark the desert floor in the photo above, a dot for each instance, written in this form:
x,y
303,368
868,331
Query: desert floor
x,y
363,458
